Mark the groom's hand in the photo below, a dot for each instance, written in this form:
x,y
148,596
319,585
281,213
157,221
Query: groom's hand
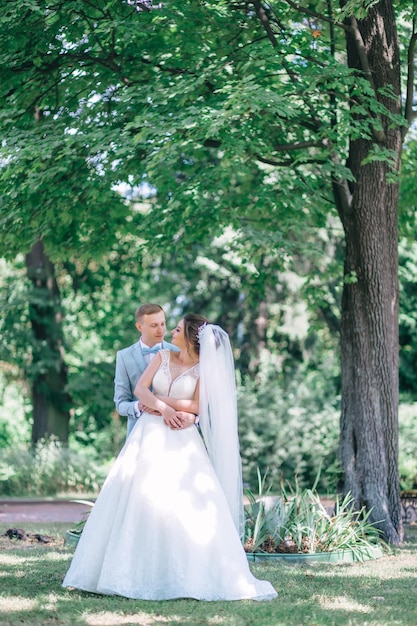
x,y
147,409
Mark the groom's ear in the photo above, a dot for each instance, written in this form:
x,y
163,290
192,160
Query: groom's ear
x,y
139,326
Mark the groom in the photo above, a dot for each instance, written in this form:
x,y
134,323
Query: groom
x,y
131,362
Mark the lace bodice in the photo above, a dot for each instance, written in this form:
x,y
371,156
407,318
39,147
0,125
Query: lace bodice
x,y
182,387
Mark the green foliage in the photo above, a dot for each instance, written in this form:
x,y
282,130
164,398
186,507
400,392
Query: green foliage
x,y
408,317
296,521
259,518
228,127
408,192
14,426
90,386
408,445
48,469
14,321
358,8
291,428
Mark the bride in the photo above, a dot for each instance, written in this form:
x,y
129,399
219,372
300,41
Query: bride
x,y
168,522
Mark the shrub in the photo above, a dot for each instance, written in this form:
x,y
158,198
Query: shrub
x,y
288,431
408,445
48,469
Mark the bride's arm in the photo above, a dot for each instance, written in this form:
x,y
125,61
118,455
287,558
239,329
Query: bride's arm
x,y
185,406
187,410
143,392
190,406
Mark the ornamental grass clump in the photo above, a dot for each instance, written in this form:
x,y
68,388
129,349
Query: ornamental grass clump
x,y
296,521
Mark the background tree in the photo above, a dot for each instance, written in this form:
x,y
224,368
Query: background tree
x,y
47,370
361,119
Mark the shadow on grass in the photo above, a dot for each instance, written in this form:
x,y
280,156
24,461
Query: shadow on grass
x,y
375,593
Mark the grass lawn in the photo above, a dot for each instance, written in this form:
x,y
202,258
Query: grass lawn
x,y
382,592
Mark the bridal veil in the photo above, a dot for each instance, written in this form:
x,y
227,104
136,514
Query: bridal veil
x,y
218,416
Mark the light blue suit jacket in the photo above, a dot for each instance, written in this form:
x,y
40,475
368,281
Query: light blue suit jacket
x,y
130,365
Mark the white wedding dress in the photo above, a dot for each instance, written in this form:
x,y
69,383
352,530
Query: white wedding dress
x,y
161,527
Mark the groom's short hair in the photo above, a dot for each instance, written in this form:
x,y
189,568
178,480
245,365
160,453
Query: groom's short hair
x,y
147,309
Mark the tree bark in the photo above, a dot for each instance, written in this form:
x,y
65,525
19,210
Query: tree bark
x,y
48,371
369,326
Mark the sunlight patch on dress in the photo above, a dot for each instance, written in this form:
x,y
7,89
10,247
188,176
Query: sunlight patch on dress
x,y
163,481
201,524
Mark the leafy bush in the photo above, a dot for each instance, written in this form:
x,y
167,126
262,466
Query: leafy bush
x,y
90,385
408,445
408,317
292,431
48,469
14,427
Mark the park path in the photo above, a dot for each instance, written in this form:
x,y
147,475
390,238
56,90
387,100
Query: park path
x,y
42,510
48,510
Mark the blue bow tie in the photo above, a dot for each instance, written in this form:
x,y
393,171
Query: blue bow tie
x,y
151,350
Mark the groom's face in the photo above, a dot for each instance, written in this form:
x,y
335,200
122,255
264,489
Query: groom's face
x,y
153,328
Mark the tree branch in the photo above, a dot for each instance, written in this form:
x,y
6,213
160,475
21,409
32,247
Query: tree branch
x,y
316,15
287,147
343,197
263,18
286,162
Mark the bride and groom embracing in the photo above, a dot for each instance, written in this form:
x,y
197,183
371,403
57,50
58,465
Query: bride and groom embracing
x,y
169,520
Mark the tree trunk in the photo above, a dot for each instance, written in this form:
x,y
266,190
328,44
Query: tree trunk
x,y
48,371
369,328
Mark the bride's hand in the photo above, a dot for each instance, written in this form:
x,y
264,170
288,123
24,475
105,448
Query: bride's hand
x,y
187,418
170,417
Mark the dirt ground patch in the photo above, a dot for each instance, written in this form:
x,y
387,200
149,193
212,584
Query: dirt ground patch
x,y
28,540
16,516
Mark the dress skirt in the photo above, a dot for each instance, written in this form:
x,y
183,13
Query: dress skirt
x,y
161,527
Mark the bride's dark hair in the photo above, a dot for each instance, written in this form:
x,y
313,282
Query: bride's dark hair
x,y
192,324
